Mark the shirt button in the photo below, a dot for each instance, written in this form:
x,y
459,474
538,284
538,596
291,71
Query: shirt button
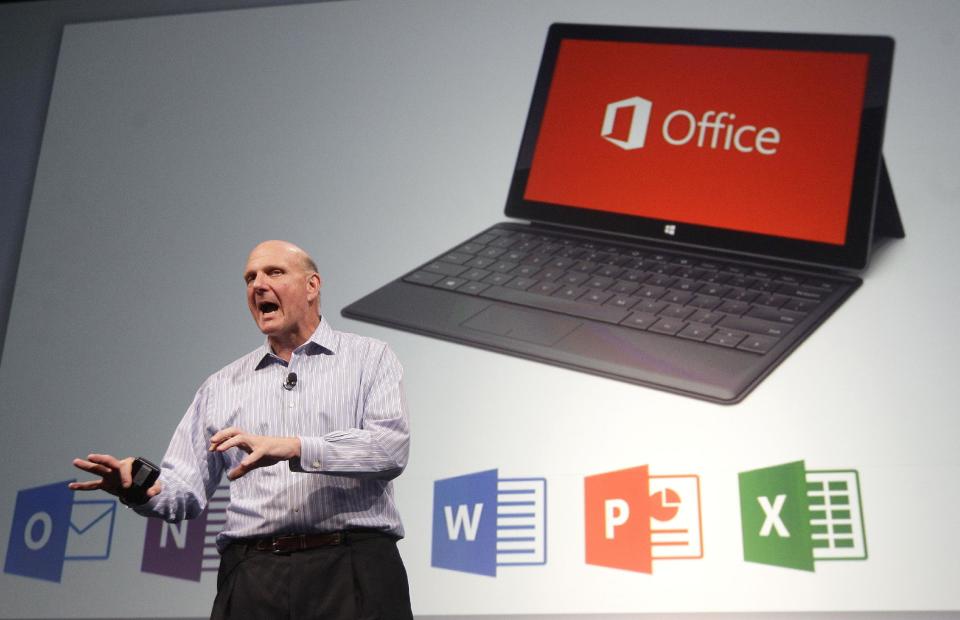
x,y
316,464
296,510
290,405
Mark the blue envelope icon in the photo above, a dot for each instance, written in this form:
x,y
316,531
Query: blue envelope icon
x,y
91,529
49,527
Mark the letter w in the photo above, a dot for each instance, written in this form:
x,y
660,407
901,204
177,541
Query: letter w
x,y
772,518
466,520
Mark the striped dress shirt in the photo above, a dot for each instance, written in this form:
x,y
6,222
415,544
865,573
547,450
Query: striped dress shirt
x,y
348,410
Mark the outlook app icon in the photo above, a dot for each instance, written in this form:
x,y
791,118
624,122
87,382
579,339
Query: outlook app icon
x,y
482,521
49,527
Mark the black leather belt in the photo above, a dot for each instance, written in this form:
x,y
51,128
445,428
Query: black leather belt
x,y
290,543
294,542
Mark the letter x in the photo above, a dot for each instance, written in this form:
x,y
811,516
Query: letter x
x,y
772,516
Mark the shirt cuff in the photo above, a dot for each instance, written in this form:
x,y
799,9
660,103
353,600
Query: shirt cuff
x,y
311,456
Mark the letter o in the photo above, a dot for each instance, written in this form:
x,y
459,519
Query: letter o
x,y
33,544
692,127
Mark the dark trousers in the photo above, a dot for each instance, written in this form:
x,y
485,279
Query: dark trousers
x,y
362,578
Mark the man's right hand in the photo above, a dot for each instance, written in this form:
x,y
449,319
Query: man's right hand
x,y
115,475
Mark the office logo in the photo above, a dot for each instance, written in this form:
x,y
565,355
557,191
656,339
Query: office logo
x,y
625,122
482,521
186,549
50,527
792,517
633,518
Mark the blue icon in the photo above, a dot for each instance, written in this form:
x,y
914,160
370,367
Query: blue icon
x,y
49,527
481,521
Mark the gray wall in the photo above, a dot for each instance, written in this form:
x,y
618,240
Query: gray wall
x,y
29,44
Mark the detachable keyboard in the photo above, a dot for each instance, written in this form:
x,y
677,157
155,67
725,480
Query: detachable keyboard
x,y
724,304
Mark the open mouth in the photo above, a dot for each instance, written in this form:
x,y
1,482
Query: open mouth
x,y
266,307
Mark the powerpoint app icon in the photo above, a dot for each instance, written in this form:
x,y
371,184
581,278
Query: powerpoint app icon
x,y
625,122
633,518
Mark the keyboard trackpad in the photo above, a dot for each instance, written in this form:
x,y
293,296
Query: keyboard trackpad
x,y
535,327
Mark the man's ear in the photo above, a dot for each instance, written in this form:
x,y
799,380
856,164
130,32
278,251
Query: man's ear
x,y
313,287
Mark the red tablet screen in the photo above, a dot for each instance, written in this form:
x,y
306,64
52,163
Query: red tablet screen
x,y
751,140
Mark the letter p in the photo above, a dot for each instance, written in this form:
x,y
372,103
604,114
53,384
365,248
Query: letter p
x,y
615,513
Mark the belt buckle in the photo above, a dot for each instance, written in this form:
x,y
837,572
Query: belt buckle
x,y
280,544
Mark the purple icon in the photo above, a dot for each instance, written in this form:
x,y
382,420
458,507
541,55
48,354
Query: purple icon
x,y
187,549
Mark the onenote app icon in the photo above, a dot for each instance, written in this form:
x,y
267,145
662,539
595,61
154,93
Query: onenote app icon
x,y
793,517
50,527
482,521
187,549
633,518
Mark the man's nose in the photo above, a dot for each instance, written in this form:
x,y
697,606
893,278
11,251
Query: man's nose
x,y
259,282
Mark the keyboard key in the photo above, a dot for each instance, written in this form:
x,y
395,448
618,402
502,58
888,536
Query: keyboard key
x,y
675,311
800,305
640,320
596,297
650,305
445,269
473,288
776,314
498,278
651,292
757,344
734,307
696,331
422,277
527,271
470,247
708,317
624,287
456,257
804,292
599,283
503,266
726,338
475,274
570,292
667,326
544,288
677,297
708,302
574,277
481,262
755,326
631,275
450,283
623,301
521,283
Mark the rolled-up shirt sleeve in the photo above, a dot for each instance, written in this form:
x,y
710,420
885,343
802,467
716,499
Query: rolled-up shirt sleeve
x,y
379,446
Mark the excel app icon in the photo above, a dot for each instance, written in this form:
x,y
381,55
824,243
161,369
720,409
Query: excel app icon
x,y
793,517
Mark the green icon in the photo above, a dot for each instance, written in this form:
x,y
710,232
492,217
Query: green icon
x,y
792,517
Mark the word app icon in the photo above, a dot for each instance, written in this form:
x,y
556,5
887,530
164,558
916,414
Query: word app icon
x,y
792,517
187,549
50,527
481,521
633,518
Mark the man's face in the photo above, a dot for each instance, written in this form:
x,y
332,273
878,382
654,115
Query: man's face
x,y
280,289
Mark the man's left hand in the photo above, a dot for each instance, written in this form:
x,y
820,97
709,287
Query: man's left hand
x,y
262,450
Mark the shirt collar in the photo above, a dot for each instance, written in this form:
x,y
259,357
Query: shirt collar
x,y
323,341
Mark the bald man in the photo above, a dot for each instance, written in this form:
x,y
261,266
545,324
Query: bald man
x,y
310,428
